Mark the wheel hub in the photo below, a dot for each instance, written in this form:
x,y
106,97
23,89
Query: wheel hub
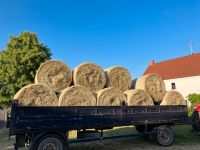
x,y
50,146
164,136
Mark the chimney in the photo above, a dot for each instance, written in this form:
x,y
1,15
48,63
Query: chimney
x,y
151,63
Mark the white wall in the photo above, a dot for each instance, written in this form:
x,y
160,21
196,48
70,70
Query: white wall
x,y
185,85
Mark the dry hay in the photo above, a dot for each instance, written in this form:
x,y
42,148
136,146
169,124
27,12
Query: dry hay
x,y
77,96
173,98
36,95
54,74
89,75
138,97
118,77
153,84
110,97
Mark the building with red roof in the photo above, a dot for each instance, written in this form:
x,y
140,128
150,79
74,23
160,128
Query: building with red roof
x,y
181,74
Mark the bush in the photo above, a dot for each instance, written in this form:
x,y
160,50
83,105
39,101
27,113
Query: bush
x,y
194,99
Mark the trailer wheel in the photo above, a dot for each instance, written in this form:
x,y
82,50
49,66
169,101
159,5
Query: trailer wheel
x,y
165,136
50,142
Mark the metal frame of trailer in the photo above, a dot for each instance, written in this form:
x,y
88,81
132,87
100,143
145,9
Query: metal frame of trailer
x,y
34,125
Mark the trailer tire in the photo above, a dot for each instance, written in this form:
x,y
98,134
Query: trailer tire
x,y
50,141
165,136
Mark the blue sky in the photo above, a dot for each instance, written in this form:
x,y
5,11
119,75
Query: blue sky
x,y
129,33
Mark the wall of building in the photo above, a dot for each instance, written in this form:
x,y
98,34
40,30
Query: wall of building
x,y
185,85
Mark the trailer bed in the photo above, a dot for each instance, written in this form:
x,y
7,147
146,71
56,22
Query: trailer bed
x,y
26,120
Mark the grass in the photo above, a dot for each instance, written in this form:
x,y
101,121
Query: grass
x,y
183,134
3,134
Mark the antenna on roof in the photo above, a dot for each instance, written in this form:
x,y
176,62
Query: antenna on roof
x,y
191,48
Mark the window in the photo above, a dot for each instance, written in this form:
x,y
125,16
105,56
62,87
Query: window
x,y
173,86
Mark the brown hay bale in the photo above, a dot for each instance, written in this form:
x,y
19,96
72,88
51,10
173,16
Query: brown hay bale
x,y
153,84
89,75
54,74
173,98
138,97
36,95
118,77
110,97
77,96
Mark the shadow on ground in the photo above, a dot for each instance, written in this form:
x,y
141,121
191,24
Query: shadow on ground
x,y
184,140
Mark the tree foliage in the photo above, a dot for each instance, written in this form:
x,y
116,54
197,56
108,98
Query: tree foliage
x,y
194,99
18,64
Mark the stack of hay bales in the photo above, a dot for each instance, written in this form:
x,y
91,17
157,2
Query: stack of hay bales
x,y
89,85
155,87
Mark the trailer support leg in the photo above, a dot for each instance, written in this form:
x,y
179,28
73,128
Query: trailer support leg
x,y
101,138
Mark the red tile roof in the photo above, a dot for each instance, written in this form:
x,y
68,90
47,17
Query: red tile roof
x,y
185,66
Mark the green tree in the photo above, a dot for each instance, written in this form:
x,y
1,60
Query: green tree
x,y
18,64
194,99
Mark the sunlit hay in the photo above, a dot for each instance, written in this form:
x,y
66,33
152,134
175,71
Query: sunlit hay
x,y
54,74
173,98
138,97
89,75
110,97
153,84
118,77
36,95
77,96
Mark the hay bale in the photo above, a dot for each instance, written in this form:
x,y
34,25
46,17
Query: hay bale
x,y
138,97
173,98
36,95
89,75
153,84
77,96
118,77
110,97
54,74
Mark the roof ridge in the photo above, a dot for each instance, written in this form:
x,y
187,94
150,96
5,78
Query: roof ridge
x,y
177,58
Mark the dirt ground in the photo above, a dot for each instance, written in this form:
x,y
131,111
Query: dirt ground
x,y
184,140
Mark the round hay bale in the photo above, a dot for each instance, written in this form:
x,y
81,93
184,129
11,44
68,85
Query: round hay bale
x,y
110,97
54,74
153,84
77,96
36,95
173,98
138,97
118,77
89,75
